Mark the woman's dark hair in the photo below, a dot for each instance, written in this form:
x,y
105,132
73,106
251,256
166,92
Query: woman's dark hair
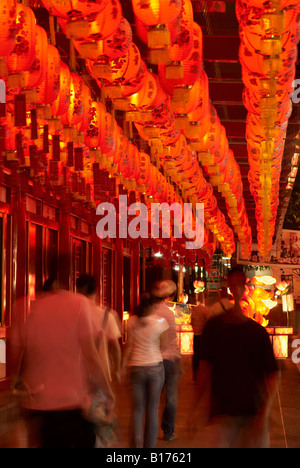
x,y
237,275
48,284
145,305
86,285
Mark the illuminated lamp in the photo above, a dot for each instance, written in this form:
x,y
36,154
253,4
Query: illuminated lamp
x,y
97,28
16,142
158,113
143,99
74,8
198,99
264,64
48,90
134,85
182,46
24,52
108,135
118,145
133,161
267,24
61,105
121,147
287,303
179,88
144,173
157,15
104,50
87,102
8,30
280,340
37,72
74,114
122,69
92,133
205,134
186,337
159,136
124,168
263,280
261,4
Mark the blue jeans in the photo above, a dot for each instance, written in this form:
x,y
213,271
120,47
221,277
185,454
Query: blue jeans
x,y
173,372
146,384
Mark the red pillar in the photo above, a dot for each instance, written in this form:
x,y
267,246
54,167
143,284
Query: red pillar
x,y
97,263
18,281
135,276
64,253
119,284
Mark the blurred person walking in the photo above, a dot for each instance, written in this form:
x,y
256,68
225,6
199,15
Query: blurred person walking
x,y
163,292
109,347
239,367
110,354
143,357
199,316
60,361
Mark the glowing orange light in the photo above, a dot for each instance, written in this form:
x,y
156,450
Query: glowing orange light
x,y
280,346
263,280
125,316
257,303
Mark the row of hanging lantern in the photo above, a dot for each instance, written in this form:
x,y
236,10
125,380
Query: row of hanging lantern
x,y
53,126
269,33
219,163
167,109
139,93
186,84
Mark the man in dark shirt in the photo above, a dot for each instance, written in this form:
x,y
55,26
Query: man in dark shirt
x,y
238,361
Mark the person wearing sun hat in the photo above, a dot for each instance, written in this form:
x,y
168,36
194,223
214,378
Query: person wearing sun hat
x,y
164,292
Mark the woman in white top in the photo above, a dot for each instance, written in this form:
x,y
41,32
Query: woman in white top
x,y
143,357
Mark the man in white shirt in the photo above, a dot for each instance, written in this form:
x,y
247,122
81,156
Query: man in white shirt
x,y
164,291
108,343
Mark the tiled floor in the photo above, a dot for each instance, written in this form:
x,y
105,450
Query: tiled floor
x,y
285,423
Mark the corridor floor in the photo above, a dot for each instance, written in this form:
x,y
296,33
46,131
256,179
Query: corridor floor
x,y
285,422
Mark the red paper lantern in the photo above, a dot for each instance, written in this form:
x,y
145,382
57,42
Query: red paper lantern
x,y
87,99
124,163
198,99
23,55
153,13
74,8
267,4
78,95
92,133
183,30
122,69
121,147
144,174
99,27
192,66
112,47
108,133
133,85
142,30
61,105
37,72
8,27
48,90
